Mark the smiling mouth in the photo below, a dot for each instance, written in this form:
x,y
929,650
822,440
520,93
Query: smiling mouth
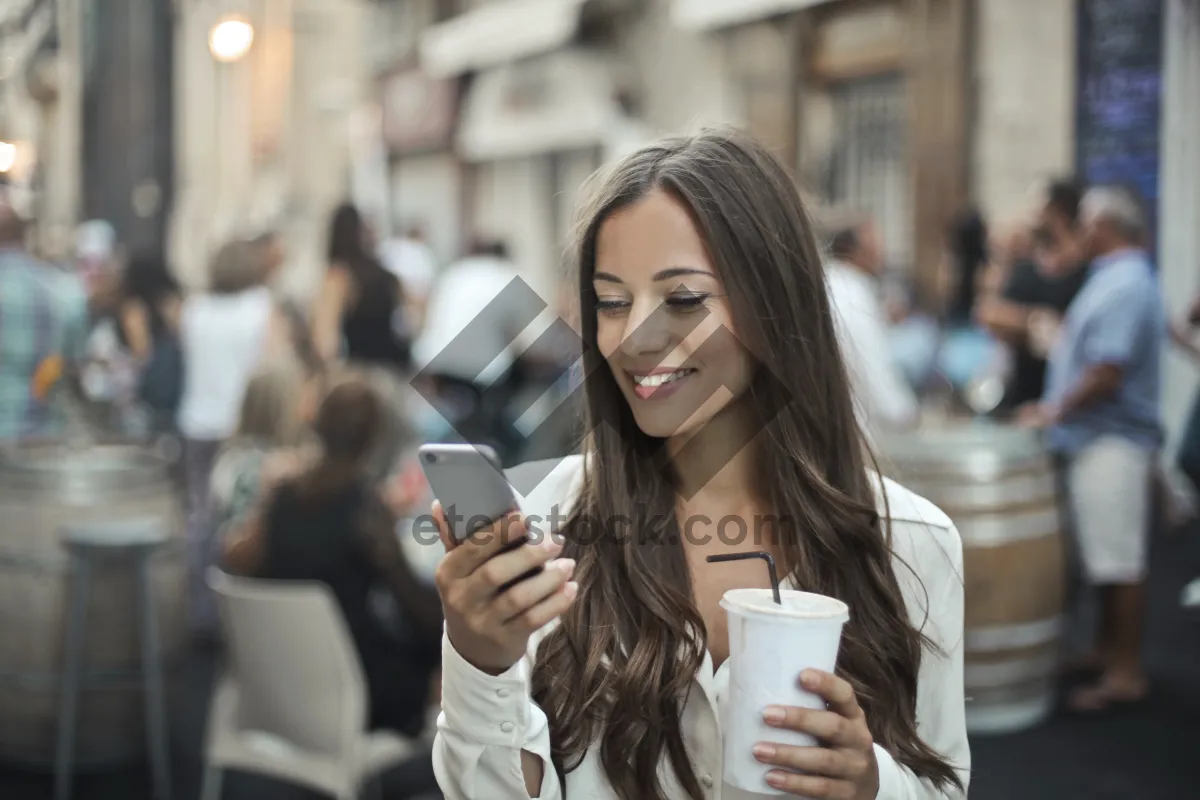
x,y
647,386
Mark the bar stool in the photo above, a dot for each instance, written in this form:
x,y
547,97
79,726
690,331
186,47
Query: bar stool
x,y
133,542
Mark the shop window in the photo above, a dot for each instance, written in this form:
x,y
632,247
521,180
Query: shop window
x,y
867,164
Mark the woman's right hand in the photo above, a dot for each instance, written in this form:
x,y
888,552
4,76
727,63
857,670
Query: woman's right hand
x,y
489,629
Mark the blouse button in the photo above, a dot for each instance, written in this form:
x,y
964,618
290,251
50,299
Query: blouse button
x,y
507,727
502,693
707,780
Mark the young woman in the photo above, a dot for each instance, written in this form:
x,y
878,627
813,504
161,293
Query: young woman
x,y
715,391
134,352
226,333
280,403
361,304
148,327
329,523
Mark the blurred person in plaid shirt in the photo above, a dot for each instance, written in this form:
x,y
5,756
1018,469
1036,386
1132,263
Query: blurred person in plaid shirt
x,y
43,333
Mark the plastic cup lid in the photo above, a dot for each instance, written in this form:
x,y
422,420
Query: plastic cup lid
x,y
796,605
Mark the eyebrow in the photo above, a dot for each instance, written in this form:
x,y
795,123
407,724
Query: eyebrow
x,y
666,274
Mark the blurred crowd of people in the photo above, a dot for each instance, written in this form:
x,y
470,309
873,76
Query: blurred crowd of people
x,y
293,427
1068,303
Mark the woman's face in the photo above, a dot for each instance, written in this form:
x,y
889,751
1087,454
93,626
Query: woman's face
x,y
665,326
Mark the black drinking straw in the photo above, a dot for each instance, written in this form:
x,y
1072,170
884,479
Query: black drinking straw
x,y
765,557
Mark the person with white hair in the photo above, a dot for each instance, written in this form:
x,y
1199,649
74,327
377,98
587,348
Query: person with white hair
x,y
884,399
1102,410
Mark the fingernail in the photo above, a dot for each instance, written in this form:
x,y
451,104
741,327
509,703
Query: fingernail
x,y
810,679
567,565
572,590
774,714
764,751
776,780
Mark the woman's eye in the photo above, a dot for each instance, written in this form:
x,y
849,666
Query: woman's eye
x,y
610,306
687,302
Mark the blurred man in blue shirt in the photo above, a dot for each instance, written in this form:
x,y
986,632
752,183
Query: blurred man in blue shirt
x,y
1102,410
43,334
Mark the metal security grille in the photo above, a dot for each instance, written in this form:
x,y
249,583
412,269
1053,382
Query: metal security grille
x,y
868,169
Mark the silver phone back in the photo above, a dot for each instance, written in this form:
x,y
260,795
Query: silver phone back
x,y
468,482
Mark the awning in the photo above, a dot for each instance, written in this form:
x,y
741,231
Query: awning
x,y
708,14
564,100
498,33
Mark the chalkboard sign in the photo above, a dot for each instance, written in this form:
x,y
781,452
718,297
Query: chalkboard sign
x,y
1120,95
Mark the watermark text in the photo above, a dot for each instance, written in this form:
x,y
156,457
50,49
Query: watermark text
x,y
585,529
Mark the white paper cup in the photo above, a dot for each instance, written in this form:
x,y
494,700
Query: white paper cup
x,y
769,646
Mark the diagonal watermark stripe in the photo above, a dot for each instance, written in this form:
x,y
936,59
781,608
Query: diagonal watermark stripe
x,y
513,310
519,302
561,338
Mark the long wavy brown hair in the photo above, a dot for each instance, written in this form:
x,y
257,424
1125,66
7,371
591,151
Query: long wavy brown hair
x,y
617,670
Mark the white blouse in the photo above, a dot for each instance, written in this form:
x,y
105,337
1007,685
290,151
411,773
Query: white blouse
x,y
486,721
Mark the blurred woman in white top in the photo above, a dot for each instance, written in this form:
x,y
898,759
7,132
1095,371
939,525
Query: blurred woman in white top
x,y
225,333
715,390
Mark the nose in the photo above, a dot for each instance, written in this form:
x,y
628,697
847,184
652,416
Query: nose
x,y
646,332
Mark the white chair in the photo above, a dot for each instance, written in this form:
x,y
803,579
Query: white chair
x,y
293,703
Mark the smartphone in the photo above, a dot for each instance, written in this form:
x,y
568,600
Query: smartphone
x,y
469,483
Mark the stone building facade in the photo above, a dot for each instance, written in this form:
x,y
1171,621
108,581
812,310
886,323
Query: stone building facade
x,y
266,141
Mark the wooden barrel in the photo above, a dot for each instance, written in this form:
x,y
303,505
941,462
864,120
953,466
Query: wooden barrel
x,y
998,486
43,488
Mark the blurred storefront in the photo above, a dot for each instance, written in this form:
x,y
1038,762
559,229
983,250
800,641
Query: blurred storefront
x,y
1118,129
1023,100
422,176
420,116
86,127
263,132
907,109
867,100
40,107
545,99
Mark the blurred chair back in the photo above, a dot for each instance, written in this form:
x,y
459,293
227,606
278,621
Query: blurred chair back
x,y
295,666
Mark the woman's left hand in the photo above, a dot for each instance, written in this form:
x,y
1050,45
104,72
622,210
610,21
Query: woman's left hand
x,y
844,767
